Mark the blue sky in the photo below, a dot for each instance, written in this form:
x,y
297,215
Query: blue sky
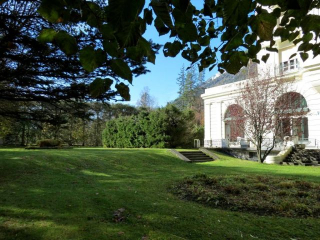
x,y
162,78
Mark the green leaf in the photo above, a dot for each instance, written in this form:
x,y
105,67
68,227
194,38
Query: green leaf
x,y
272,49
279,31
181,4
100,86
296,41
250,38
196,47
304,56
307,37
187,32
190,54
310,23
266,24
52,10
111,47
172,49
91,59
207,10
316,49
293,55
233,66
236,11
253,50
265,57
147,50
276,12
143,49
234,43
123,12
161,28
306,46
124,91
305,4
212,32
121,69
107,32
268,2
130,34
162,11
293,36
66,43
237,60
147,15
47,35
204,41
91,13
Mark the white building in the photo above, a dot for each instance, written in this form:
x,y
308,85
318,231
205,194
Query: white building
x,y
218,99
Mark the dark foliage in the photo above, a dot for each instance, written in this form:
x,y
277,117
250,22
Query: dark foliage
x,y
165,127
49,143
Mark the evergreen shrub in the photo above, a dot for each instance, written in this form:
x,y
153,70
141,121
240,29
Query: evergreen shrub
x,y
49,143
161,128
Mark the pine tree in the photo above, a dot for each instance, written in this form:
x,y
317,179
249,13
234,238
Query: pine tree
x,y
181,80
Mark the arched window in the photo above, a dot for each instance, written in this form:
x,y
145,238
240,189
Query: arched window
x,y
234,123
292,102
292,108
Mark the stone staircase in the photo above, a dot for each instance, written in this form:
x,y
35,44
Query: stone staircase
x,y
196,156
304,157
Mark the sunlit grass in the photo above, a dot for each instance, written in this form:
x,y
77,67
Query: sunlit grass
x,y
73,194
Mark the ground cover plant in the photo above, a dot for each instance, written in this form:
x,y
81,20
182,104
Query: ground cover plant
x,y
123,194
263,195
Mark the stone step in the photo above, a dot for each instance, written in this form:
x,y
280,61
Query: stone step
x,y
193,152
304,157
196,156
201,160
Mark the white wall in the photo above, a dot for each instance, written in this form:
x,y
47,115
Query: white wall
x,y
307,83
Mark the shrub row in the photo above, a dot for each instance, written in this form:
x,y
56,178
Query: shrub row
x,y
165,127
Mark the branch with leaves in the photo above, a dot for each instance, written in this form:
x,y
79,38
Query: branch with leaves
x,y
222,34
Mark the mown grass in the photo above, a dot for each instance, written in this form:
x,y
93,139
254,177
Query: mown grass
x,y
74,194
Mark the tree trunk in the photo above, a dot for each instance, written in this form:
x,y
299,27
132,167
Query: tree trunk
x,y
83,133
259,150
23,135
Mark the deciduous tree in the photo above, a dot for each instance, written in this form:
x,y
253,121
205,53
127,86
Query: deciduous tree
x,y
116,30
146,100
262,103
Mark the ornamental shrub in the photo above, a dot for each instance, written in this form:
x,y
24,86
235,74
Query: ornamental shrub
x,y
49,143
164,127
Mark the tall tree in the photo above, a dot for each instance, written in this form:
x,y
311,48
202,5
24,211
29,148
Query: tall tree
x,y
181,80
40,61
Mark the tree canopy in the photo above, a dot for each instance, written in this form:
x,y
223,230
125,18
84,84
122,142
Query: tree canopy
x,y
107,38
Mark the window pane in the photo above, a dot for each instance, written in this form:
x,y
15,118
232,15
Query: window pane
x,y
285,66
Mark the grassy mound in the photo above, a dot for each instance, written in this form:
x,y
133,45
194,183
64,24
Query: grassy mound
x,y
263,195
98,193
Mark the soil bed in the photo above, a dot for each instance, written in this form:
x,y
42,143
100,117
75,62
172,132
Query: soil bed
x,y
262,195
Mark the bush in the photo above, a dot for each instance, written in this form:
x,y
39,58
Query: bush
x,y
161,128
49,143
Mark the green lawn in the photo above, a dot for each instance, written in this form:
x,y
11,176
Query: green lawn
x,y
72,194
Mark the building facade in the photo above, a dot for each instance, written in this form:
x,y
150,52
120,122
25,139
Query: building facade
x,y
305,84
